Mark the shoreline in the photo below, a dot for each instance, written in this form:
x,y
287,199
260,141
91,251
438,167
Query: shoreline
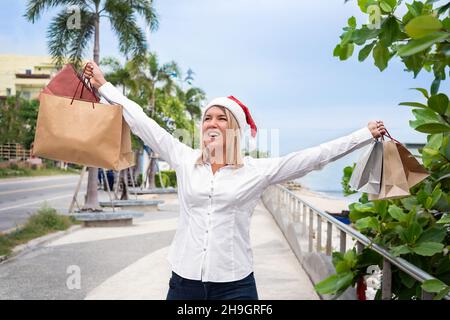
x,y
320,200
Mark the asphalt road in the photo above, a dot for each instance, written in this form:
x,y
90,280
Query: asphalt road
x,y
21,197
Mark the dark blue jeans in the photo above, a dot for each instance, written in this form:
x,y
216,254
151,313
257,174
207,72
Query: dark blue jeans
x,y
185,289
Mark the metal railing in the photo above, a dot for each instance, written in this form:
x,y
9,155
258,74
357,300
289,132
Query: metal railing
x,y
293,213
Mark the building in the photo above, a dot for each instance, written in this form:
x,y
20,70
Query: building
x,y
25,74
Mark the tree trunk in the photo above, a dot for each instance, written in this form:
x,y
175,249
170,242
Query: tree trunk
x,y
193,133
124,183
91,198
97,39
151,173
138,167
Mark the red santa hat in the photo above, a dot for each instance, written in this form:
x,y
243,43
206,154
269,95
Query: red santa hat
x,y
238,109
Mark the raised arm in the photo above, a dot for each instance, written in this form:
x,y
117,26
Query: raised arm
x,y
171,149
297,164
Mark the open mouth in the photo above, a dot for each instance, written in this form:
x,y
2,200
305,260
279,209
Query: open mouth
x,y
213,134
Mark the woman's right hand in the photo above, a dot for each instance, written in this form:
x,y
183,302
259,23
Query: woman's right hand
x,y
94,74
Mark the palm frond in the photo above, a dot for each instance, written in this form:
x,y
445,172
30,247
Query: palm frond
x,y
146,10
35,8
123,21
63,42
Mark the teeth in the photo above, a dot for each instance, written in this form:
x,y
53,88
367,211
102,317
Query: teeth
x,y
213,134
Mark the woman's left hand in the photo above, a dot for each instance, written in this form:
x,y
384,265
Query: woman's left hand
x,y
376,127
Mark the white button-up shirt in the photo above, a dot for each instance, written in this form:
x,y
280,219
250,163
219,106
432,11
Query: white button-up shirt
x,y
212,241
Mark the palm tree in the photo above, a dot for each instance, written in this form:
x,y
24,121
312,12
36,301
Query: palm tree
x,y
64,42
150,78
192,99
118,74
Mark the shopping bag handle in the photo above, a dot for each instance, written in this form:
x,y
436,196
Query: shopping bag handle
x,y
82,88
389,135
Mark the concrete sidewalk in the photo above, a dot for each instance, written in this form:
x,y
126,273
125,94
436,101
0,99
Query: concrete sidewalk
x,y
130,262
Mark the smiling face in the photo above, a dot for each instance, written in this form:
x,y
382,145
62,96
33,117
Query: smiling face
x,y
214,128
221,137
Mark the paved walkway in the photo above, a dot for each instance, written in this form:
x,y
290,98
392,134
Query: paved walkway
x,y
130,262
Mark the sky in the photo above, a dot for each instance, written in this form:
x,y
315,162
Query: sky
x,y
276,56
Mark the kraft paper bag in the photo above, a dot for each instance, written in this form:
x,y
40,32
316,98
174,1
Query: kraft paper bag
x,y
414,171
394,183
366,176
82,132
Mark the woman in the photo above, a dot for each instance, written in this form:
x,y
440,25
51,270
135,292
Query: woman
x,y
210,256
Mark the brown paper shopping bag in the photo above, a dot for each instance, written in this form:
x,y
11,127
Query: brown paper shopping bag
x,y
414,171
82,132
394,183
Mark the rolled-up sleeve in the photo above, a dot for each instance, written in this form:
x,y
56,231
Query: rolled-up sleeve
x,y
152,134
297,164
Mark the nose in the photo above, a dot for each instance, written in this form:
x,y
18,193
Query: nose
x,y
212,124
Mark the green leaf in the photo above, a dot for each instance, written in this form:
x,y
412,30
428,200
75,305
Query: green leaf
x,y
431,152
434,88
415,9
415,62
433,234
387,5
438,103
397,213
381,56
365,207
435,141
442,293
412,233
413,104
343,51
409,203
335,283
399,250
345,38
360,36
446,23
423,91
445,219
364,4
364,52
390,31
423,25
407,280
337,51
417,45
428,122
433,285
428,248
435,196
368,222
352,22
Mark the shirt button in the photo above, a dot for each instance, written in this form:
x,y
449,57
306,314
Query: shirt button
x,y
204,249
210,196
206,231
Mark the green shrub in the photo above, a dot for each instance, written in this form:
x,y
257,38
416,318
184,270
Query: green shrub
x,y
44,221
169,178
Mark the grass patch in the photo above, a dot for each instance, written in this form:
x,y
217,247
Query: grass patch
x,y
44,221
24,172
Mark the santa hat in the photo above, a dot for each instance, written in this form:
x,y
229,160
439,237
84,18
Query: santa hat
x,y
238,109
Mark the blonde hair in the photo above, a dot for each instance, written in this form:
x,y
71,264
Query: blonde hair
x,y
233,142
